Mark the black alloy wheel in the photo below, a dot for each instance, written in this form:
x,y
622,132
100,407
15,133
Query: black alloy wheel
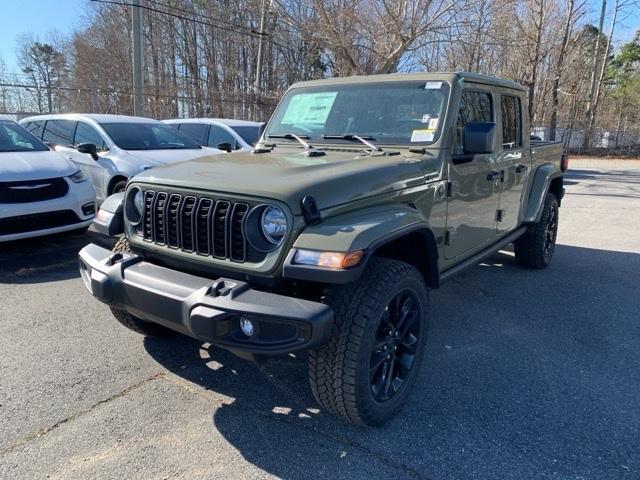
x,y
397,339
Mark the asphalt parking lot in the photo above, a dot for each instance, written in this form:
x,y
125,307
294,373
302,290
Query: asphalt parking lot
x,y
528,374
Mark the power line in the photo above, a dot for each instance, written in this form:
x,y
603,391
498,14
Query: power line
x,y
193,12
240,29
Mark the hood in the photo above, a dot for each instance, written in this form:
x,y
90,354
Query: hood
x,y
288,175
17,166
154,158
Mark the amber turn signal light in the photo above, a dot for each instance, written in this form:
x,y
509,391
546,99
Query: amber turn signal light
x,y
328,259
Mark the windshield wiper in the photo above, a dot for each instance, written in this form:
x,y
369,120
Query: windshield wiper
x,y
311,150
364,139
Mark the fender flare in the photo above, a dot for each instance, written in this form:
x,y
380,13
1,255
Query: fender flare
x,y
366,230
544,176
109,221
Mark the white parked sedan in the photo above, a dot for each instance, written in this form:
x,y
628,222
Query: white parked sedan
x,y
40,191
216,132
112,148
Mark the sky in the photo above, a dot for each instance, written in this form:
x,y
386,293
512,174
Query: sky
x,y
41,16
37,17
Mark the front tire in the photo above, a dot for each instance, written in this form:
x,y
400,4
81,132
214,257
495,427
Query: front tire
x,y
125,318
535,248
119,186
365,372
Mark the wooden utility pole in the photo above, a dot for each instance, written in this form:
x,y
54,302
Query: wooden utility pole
x,y
258,83
586,135
137,58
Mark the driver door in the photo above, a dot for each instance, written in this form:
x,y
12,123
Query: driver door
x,y
474,186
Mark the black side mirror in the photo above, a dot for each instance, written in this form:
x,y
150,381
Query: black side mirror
x,y
225,146
88,148
479,138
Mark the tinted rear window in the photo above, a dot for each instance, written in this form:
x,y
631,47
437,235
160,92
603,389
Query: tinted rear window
x,y
35,128
59,132
249,134
195,131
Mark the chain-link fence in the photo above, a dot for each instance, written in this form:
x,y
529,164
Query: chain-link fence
x,y
18,101
602,142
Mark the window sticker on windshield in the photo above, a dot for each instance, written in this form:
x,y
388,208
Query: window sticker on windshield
x,y
423,135
425,118
309,108
433,123
433,86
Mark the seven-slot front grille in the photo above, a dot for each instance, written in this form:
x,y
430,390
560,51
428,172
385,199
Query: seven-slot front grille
x,y
206,226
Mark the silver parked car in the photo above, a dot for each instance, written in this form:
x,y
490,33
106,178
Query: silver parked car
x,y
223,133
112,148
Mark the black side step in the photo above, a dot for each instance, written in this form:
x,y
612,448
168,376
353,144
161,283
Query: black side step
x,y
478,257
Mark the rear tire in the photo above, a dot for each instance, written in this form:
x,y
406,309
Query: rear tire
x,y
535,248
131,322
365,372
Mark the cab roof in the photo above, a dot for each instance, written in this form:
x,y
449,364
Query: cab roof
x,y
450,77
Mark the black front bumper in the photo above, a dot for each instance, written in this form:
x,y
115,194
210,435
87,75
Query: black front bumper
x,y
209,310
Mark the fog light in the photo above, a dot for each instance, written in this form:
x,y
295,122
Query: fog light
x,y
89,209
246,326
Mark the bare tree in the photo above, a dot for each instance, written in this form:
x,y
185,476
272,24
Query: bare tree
x,y
45,66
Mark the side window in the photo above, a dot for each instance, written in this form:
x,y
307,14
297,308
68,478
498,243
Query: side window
x,y
474,107
195,131
87,134
59,132
511,122
218,135
35,128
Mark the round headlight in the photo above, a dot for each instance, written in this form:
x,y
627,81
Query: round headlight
x,y
134,205
274,224
138,202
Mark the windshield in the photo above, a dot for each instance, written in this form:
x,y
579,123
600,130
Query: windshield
x,y
397,113
249,134
147,136
14,138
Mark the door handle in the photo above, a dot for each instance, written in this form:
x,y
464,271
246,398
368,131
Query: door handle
x,y
495,175
521,169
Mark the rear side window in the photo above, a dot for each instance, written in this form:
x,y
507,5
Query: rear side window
x,y
249,134
218,135
87,134
195,131
59,132
511,122
35,128
474,107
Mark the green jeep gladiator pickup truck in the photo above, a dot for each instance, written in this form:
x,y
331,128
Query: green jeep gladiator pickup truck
x,y
362,194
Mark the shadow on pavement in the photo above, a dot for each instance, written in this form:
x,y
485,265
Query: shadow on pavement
x,y
46,259
604,176
527,373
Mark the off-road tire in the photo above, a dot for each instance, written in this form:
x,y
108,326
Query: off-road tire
x,y
535,249
125,318
339,371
